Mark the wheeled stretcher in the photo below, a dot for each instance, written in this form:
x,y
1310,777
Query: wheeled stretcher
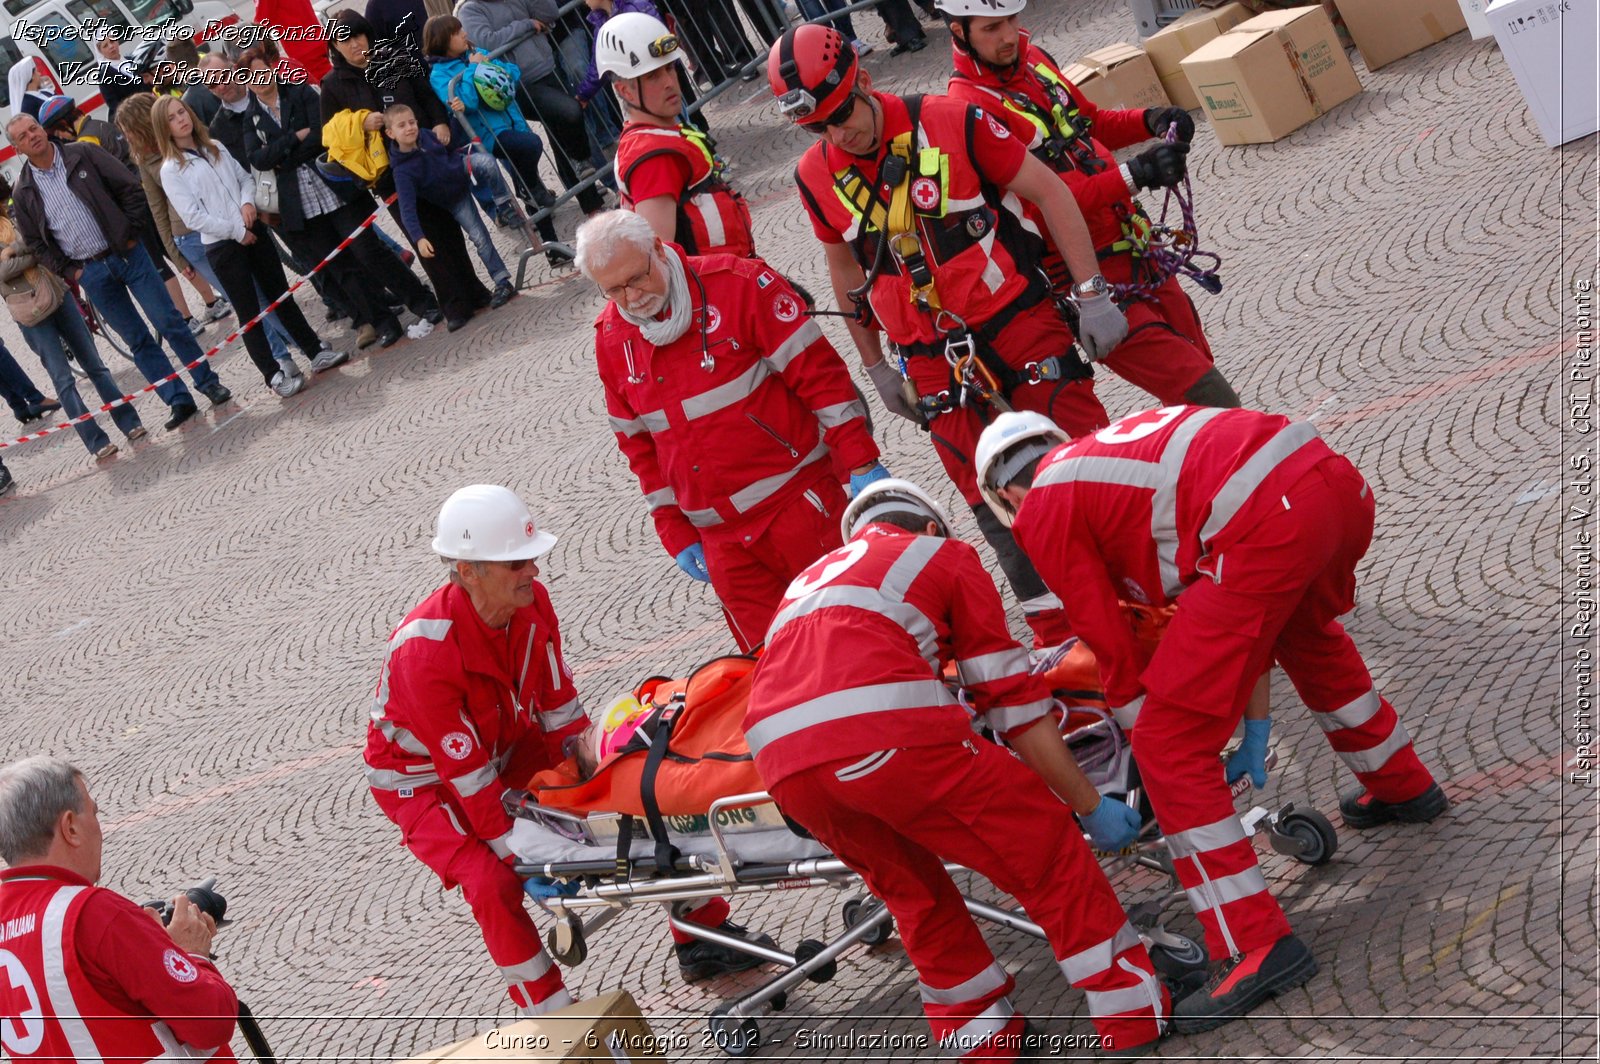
x,y
653,849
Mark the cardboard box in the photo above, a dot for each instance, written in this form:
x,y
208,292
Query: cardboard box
x,y
1267,77
1549,46
1477,23
1119,76
1258,7
602,1030
1168,48
1384,30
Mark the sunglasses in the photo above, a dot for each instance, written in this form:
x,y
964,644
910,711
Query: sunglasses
x,y
840,116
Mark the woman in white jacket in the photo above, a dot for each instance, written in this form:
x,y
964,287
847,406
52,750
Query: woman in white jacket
x,y
215,197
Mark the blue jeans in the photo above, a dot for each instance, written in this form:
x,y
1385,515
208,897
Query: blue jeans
x,y
51,339
193,247
19,392
465,212
112,284
815,9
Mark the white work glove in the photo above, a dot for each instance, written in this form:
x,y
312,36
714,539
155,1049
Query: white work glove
x,y
1101,326
887,380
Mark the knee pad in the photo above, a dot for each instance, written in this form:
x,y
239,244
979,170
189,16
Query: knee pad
x,y
1212,389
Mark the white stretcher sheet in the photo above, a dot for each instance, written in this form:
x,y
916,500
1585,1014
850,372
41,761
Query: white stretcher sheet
x,y
534,843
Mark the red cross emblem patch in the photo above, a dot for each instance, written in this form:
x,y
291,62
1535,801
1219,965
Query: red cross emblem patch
x,y
925,193
457,745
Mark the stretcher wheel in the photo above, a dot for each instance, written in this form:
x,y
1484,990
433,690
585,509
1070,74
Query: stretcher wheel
x,y
566,943
778,1002
1313,832
809,948
857,909
737,1038
1177,955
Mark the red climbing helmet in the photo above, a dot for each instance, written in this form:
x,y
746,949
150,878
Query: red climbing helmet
x,y
812,71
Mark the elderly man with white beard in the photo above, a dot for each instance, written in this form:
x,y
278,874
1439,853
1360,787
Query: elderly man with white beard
x,y
736,414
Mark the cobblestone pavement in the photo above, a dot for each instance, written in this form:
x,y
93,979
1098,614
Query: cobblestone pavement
x,y
199,622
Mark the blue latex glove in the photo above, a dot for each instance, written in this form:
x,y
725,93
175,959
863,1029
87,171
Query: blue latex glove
x,y
1112,825
543,888
692,560
1251,757
861,480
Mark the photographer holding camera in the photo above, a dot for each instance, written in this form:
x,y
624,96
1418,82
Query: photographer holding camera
x,y
85,973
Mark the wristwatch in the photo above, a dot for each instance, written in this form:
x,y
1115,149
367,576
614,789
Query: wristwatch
x,y
1094,286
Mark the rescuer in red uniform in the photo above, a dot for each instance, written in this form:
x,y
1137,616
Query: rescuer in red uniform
x,y
1253,526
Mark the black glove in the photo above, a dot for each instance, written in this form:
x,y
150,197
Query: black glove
x,y
1157,119
1160,167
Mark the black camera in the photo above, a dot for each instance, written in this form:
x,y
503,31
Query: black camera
x,y
205,898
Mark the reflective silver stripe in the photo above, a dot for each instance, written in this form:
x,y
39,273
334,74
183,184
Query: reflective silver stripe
x,y
435,628
865,767
57,990
559,1000
561,716
1116,1002
906,568
500,846
840,413
529,971
1220,892
986,668
1003,718
978,1030
726,394
655,420
631,426
1127,716
851,702
1207,837
1129,472
807,334
1040,603
916,624
1237,489
1351,715
1085,964
387,779
748,498
472,782
401,737
661,497
1164,503
985,982
706,203
703,518
1373,759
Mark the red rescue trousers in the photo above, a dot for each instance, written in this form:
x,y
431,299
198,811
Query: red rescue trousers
x,y
1278,594
895,816
1034,334
494,893
1165,352
751,567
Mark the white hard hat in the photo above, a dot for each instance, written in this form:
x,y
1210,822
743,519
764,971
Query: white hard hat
x,y
488,523
634,43
981,8
892,495
1011,441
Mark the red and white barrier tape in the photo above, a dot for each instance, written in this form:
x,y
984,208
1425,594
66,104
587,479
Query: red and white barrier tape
x,y
224,342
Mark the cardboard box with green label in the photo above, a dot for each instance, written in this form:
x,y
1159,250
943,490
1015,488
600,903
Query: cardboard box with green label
x,y
1268,76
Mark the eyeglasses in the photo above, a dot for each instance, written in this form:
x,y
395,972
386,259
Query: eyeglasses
x,y
840,116
516,566
635,283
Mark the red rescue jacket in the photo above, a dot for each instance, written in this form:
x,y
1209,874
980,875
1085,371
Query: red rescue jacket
x,y
983,255
681,162
85,974
465,711
1069,134
884,614
725,434
1142,508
